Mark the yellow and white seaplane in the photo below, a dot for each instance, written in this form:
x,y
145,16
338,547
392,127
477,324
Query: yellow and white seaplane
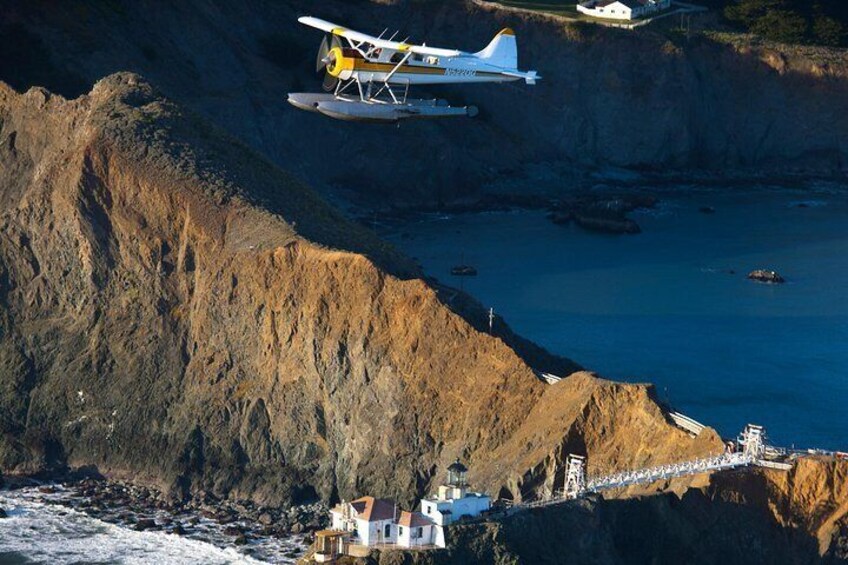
x,y
367,78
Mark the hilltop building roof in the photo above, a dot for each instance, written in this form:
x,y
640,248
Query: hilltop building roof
x,y
373,509
414,519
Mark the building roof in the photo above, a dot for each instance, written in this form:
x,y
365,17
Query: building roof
x,y
457,467
331,533
414,519
632,4
372,509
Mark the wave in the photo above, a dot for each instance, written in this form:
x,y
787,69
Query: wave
x,y
47,533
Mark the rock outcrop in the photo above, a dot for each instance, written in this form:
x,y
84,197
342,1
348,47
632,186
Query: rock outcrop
x,y
760,516
177,310
766,276
641,100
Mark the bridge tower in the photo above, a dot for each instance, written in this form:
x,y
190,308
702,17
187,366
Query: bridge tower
x,y
753,441
575,476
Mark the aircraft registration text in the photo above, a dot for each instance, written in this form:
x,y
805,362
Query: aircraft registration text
x,y
460,72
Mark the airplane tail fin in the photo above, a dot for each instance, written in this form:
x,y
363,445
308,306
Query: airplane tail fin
x,y
502,51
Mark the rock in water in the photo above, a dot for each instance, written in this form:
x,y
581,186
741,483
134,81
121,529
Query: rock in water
x,y
145,524
764,276
3,513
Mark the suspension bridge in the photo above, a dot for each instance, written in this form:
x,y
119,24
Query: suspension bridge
x,y
750,449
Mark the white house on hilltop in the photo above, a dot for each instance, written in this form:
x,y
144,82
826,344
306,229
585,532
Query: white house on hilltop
x,y
622,9
367,522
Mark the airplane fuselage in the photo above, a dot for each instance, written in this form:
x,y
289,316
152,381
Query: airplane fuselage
x,y
401,68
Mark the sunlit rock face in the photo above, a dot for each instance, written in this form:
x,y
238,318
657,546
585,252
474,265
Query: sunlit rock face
x,y
177,310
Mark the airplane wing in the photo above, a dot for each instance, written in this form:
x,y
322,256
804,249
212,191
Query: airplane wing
x,y
358,37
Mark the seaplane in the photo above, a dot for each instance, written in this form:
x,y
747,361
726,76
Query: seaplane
x,y
367,79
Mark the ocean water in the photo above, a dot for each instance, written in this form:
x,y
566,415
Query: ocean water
x,y
664,306
38,532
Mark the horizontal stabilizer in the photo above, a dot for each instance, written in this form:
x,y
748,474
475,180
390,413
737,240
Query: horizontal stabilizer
x,y
530,77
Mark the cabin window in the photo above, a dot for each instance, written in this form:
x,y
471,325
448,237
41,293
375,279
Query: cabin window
x,y
432,60
397,58
388,530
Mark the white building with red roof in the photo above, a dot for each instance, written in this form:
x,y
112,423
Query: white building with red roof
x,y
372,520
368,522
622,9
415,530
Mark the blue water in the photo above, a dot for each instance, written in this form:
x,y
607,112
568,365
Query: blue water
x,y
662,307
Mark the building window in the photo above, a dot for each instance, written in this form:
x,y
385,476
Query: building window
x,y
419,533
388,530
400,530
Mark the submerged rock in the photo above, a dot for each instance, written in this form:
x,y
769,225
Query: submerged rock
x,y
607,225
764,276
464,271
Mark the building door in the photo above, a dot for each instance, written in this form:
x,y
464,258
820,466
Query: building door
x,y
388,534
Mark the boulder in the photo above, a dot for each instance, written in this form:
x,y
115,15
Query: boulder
x,y
3,513
145,524
232,531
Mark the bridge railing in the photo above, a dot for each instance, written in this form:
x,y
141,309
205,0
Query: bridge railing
x,y
674,470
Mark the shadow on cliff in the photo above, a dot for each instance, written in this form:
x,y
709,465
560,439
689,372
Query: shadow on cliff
x,y
657,529
647,100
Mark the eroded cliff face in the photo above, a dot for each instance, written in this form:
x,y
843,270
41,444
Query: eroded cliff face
x,y
811,498
177,310
749,516
643,99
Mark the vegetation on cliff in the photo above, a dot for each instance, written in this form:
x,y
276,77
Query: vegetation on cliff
x,y
819,22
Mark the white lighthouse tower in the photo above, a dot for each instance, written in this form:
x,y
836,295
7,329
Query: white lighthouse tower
x,y
453,501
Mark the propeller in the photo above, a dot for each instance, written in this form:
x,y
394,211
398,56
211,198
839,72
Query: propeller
x,y
326,59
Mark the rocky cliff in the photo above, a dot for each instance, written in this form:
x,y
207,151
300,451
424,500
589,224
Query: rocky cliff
x,y
177,310
643,100
761,516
